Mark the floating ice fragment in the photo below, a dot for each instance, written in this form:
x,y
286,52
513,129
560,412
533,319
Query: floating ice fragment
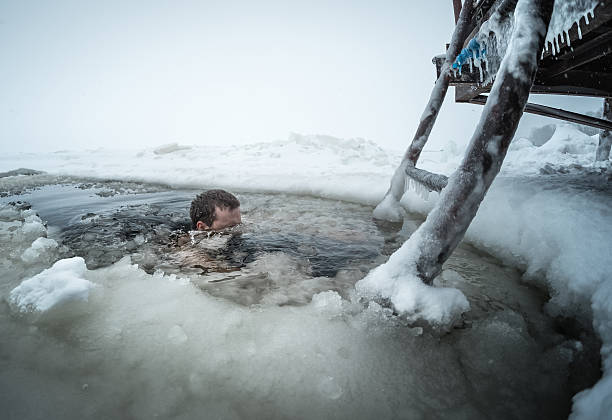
x,y
328,302
40,248
33,227
61,283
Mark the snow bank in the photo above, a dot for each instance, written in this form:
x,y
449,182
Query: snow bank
x,y
568,147
325,166
63,282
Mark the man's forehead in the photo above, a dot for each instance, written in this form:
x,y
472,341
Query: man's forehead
x,y
226,210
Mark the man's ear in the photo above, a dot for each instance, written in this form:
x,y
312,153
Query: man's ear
x,y
200,225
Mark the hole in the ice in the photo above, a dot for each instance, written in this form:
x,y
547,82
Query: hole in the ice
x,y
288,250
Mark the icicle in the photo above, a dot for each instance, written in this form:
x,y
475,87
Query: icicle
x,y
478,65
485,67
566,14
419,189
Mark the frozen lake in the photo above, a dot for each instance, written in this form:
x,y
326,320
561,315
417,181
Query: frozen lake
x,y
262,320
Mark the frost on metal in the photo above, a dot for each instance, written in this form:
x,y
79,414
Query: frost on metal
x,y
602,154
485,52
426,180
388,209
466,188
434,241
494,35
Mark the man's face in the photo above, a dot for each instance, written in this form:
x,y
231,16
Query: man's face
x,y
224,218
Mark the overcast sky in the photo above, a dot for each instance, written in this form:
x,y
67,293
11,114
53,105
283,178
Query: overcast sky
x,y
86,74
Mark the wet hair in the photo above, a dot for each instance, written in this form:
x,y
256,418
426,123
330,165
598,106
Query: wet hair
x,y
203,206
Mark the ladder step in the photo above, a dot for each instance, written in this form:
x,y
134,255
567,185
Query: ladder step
x,y
433,182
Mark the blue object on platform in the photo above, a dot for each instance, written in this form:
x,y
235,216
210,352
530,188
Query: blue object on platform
x,y
472,50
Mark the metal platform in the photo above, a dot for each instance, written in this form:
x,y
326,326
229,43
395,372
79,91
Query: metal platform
x,y
582,69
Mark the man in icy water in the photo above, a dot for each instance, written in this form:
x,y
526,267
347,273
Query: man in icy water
x,y
232,249
214,210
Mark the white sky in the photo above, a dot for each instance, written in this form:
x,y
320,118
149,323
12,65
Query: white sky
x,y
132,74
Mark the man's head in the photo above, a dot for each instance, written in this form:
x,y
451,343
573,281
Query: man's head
x,y
214,210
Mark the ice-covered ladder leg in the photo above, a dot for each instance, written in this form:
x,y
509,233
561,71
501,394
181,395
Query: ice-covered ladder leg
x,y
458,203
388,208
605,137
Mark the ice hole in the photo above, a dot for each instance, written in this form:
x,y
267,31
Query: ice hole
x,y
258,321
